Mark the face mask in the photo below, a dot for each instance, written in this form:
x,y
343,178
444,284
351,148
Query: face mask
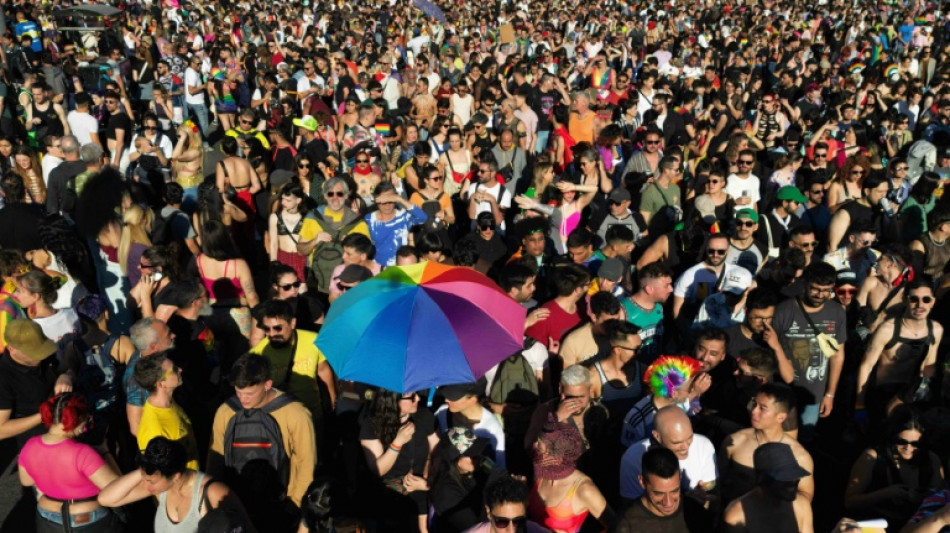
x,y
780,490
205,310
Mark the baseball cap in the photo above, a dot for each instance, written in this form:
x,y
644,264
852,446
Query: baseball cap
x,y
307,122
776,460
456,392
27,337
706,208
748,213
619,195
812,87
791,193
846,277
611,269
736,281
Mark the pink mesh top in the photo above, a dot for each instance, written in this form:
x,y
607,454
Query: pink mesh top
x,y
62,470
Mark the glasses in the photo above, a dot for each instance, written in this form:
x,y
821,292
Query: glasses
x,y
845,292
434,178
867,242
920,299
651,143
817,191
713,182
745,223
146,128
905,442
338,194
111,102
287,287
807,245
901,169
857,172
299,166
362,160
745,162
175,370
410,398
502,522
242,121
716,251
823,154
143,266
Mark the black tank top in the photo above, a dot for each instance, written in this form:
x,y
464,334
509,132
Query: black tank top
x,y
49,122
910,354
774,516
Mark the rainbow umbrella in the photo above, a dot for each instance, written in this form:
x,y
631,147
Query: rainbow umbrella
x,y
420,326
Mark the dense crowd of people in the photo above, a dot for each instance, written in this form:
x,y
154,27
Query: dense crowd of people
x,y
725,222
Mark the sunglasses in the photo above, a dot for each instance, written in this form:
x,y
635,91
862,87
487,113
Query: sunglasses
x,y
857,172
410,398
817,191
650,143
716,251
745,223
362,160
338,194
303,166
287,287
899,169
713,182
811,244
824,154
920,299
745,162
146,128
845,292
502,522
144,266
905,442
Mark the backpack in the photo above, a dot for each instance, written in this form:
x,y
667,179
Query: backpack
x,y
98,378
515,381
254,446
328,255
162,231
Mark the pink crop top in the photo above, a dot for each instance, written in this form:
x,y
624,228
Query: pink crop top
x,y
223,288
62,470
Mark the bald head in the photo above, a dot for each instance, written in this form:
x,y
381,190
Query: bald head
x,y
673,430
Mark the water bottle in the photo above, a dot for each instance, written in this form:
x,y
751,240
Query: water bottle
x,y
886,206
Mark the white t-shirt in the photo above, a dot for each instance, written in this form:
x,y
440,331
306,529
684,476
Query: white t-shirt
x,y
49,163
738,187
165,145
699,281
699,465
488,427
484,207
82,125
193,79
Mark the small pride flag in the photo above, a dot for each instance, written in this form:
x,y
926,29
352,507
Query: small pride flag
x,y
383,128
856,67
891,70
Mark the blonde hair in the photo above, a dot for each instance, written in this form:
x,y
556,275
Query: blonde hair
x,y
134,222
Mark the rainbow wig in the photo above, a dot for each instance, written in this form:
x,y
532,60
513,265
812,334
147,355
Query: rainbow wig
x,y
669,373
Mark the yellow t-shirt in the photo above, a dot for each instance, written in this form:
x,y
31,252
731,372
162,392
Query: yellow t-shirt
x,y
303,379
171,423
311,227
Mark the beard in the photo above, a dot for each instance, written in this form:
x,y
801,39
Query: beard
x,y
279,343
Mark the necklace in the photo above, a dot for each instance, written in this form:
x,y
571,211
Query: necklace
x,y
757,443
934,241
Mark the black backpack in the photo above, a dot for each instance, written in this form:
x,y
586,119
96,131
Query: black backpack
x,y
162,227
254,446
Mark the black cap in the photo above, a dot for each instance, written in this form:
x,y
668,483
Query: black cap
x,y
777,461
454,393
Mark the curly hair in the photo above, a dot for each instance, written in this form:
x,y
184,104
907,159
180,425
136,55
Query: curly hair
x,y
67,408
62,240
384,410
167,457
844,173
669,373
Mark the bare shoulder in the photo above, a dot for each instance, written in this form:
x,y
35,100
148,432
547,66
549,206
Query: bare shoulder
x,y
802,456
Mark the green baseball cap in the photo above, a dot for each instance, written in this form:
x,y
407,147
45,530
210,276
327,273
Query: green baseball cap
x,y
748,213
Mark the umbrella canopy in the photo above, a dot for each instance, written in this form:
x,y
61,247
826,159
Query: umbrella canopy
x,y
421,326
430,9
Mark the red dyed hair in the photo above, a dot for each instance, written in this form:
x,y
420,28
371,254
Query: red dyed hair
x,y
66,408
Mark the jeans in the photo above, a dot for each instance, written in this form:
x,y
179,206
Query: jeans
x,y
199,112
809,414
542,143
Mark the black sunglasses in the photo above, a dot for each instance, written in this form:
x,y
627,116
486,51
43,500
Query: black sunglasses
x,y
338,194
502,522
287,287
746,223
905,442
920,299
716,251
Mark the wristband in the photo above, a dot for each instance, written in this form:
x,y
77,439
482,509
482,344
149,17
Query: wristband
x,y
832,396
395,448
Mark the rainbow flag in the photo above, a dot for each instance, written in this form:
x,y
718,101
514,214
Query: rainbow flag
x,y
383,129
920,21
603,78
891,70
876,53
856,67
743,42
217,74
